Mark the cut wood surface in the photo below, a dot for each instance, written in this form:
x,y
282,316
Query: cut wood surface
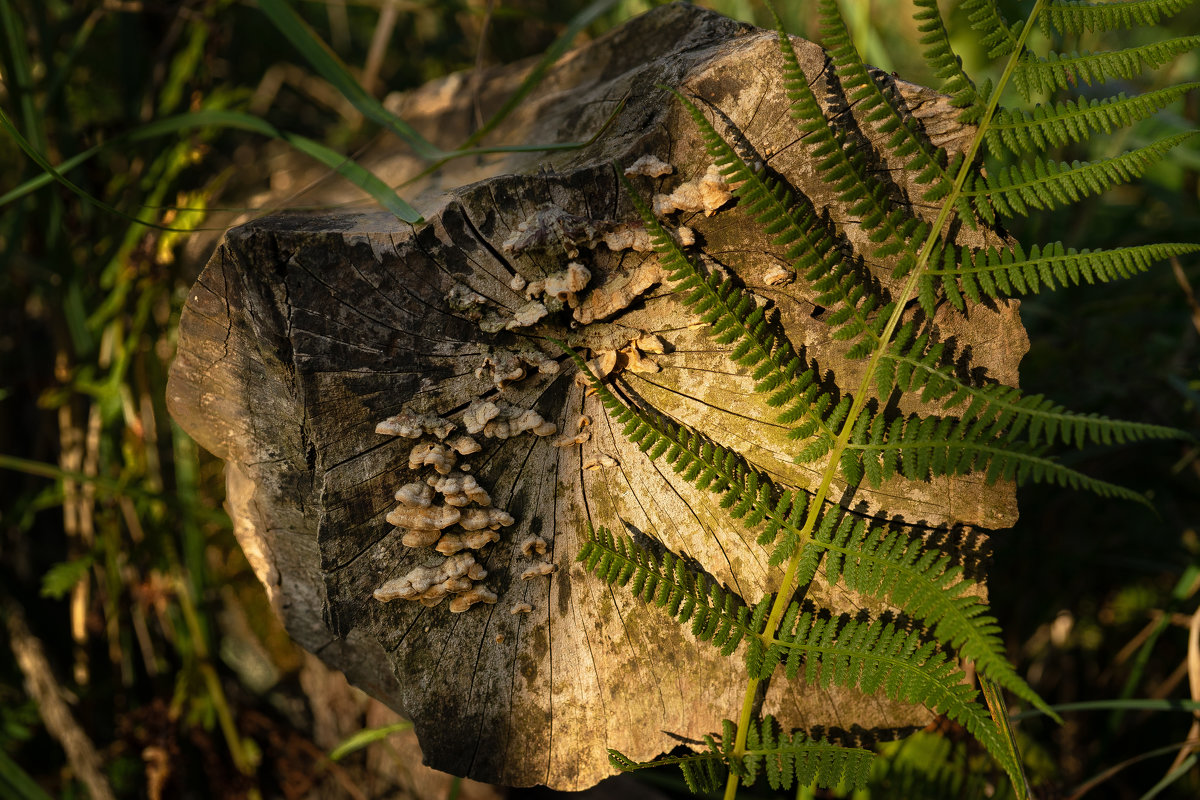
x,y
304,333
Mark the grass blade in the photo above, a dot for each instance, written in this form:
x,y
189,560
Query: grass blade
x,y
580,21
343,165
367,736
16,783
328,66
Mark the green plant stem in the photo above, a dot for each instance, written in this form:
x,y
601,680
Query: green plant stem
x,y
238,751
860,397
995,702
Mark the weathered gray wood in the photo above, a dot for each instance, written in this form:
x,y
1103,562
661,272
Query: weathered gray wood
x,y
304,332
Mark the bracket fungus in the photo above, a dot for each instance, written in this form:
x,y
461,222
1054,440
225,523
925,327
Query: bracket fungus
x,y
538,570
429,585
474,519
415,495
433,454
430,518
420,538
458,489
532,545
466,301
649,165
600,462
464,445
511,421
477,594
451,543
414,426
706,193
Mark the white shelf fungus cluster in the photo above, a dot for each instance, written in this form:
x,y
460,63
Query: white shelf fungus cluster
x,y
443,508
448,510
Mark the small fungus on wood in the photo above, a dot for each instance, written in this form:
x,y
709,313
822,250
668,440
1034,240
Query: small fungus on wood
x,y
459,489
652,343
636,362
451,543
505,368
521,608
478,414
420,538
466,301
706,193
478,594
564,286
526,315
538,570
778,276
567,440
474,519
618,291
414,426
464,445
432,518
415,494
599,462
533,544
430,583
601,366
510,421
649,165
433,454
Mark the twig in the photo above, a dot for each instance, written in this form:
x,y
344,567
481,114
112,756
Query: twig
x,y
52,703
1193,668
1189,295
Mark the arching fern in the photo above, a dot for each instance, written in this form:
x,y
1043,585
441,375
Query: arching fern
x,y
991,430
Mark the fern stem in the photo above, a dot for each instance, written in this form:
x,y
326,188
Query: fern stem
x,y
995,702
860,397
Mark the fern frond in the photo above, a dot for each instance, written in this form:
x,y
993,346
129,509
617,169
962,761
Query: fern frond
x,y
1075,16
797,760
978,274
922,447
877,657
996,35
717,615
704,772
811,247
888,564
922,159
1045,184
1067,70
787,760
940,56
1047,126
748,493
1034,418
735,318
846,168
909,578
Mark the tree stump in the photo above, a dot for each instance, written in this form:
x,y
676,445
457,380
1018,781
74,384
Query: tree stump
x,y
305,332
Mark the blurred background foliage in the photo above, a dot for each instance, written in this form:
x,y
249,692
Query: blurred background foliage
x,y
140,656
